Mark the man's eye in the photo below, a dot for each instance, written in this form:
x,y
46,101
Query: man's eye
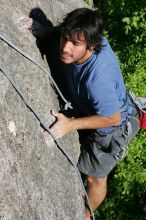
x,y
76,43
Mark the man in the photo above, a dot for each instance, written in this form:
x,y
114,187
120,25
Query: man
x,y
98,93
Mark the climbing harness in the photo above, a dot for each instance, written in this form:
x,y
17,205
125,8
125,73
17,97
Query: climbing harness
x,y
140,103
67,104
40,118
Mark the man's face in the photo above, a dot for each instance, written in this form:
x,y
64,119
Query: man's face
x,y
74,51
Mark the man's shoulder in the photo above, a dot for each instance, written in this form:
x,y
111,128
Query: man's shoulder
x,y
106,60
105,66
107,52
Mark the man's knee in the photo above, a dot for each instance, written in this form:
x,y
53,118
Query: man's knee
x,y
93,180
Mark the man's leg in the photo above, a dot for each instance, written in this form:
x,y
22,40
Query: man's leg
x,y
96,190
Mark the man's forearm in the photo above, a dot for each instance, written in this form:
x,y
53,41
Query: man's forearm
x,y
66,125
95,121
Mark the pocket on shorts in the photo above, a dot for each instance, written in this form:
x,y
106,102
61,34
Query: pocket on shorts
x,y
120,140
134,121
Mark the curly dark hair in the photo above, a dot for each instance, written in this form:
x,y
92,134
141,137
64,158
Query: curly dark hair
x,y
83,22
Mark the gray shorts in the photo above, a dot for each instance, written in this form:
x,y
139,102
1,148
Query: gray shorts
x,y
101,152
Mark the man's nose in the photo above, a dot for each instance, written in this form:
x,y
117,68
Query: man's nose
x,y
67,45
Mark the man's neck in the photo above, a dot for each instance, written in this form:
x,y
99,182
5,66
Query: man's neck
x,y
85,57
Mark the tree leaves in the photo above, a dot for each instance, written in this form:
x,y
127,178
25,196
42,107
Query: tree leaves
x,y
125,28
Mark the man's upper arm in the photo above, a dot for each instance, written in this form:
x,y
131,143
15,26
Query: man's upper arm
x,y
104,97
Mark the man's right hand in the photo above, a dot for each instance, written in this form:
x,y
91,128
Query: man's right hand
x,y
34,26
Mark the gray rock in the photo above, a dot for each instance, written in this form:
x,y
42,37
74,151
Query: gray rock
x,y
36,180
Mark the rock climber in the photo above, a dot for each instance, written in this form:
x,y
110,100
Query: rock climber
x,y
106,119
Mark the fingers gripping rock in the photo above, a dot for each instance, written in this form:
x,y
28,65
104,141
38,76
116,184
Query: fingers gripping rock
x,y
25,23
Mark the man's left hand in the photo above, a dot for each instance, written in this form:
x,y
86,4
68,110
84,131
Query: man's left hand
x,y
62,126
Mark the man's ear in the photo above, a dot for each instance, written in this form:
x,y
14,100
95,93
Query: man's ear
x,y
91,48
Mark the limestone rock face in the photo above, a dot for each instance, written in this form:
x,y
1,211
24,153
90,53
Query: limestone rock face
x,y
36,180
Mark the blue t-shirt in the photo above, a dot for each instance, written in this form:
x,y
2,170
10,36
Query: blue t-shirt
x,y
96,86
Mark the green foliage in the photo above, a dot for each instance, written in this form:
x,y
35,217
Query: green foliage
x,y
123,19
125,28
136,22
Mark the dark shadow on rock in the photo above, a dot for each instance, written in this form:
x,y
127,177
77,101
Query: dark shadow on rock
x,y
47,40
